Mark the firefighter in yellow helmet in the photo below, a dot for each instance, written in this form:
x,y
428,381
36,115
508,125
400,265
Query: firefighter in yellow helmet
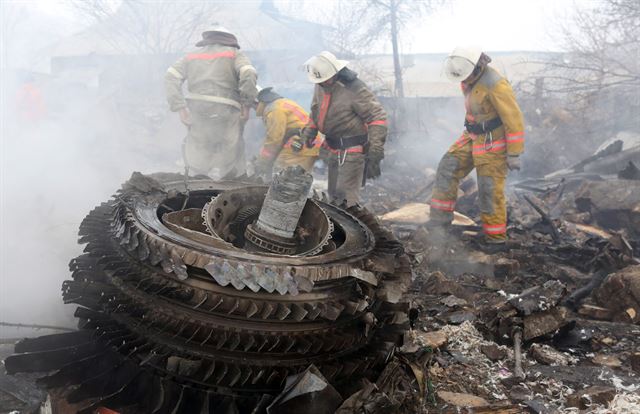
x,y
492,142
283,147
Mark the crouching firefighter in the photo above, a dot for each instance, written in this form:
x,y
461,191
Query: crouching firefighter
x,y
492,142
354,124
283,145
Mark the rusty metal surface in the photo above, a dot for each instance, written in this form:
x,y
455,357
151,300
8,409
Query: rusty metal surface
x,y
222,211
179,321
359,238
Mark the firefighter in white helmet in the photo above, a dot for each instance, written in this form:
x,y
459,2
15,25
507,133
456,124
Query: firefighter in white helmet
x,y
221,88
353,121
492,142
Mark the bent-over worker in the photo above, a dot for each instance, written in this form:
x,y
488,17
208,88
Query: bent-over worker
x,y
283,146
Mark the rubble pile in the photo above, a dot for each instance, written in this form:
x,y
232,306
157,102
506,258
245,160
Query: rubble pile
x,y
309,310
621,403
549,324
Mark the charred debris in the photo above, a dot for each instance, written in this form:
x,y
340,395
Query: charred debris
x,y
548,325
231,297
206,301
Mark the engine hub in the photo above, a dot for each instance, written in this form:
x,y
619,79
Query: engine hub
x,y
180,316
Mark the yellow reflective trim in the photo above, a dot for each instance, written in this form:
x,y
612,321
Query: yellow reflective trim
x,y
246,68
215,99
175,73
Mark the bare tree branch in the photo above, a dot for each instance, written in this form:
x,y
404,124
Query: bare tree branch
x,y
359,26
579,98
146,26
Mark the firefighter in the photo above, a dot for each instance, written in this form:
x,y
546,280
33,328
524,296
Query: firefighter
x,y
492,142
354,124
221,89
283,146
29,101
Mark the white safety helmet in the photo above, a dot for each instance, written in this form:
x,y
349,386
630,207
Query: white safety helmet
x,y
323,66
217,28
460,63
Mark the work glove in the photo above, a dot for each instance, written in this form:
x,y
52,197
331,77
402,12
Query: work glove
x,y
309,136
513,162
374,157
297,144
185,116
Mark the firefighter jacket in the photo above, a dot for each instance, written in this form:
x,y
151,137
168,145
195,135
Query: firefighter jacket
x,y
214,73
347,108
29,103
490,97
284,119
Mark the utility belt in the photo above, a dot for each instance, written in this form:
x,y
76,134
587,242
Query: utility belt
x,y
479,128
346,142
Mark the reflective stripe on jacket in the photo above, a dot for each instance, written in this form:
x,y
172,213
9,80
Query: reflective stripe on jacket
x,y
490,97
348,109
214,73
280,117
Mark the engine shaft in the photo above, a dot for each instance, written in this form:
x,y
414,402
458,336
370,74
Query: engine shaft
x,y
276,226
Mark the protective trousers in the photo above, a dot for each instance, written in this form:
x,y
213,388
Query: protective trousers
x,y
491,168
346,170
214,145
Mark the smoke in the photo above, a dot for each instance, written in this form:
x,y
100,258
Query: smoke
x,y
75,125
76,121
69,139
426,128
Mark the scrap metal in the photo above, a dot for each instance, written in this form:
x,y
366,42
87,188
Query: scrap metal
x,y
176,316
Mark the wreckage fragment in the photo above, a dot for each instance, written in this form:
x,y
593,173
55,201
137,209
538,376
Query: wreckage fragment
x,y
461,400
539,298
614,204
307,389
280,212
590,396
620,295
419,213
176,315
547,355
401,388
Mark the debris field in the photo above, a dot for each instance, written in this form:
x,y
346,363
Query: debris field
x,y
550,323
187,304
